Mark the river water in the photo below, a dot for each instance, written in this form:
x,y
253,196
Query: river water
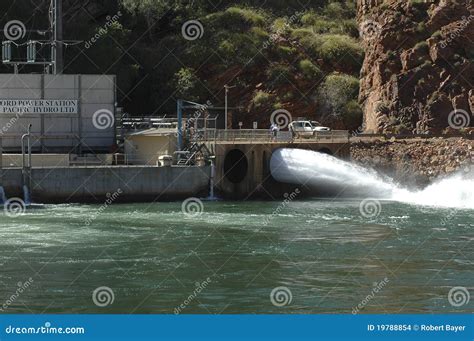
x,y
316,256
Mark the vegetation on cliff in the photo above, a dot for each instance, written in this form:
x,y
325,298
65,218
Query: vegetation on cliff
x,y
412,68
278,54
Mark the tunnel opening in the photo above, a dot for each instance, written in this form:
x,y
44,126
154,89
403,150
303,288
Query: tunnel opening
x,y
235,166
325,151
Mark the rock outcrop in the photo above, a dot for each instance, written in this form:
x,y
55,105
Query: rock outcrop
x,y
416,162
418,72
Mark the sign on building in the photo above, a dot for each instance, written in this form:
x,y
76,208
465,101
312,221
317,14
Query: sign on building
x,y
38,106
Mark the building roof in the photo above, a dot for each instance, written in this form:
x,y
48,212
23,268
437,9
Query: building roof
x,y
155,132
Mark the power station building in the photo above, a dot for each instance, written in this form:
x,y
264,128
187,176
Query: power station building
x,y
67,113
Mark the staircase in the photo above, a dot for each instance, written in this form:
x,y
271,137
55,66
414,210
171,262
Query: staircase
x,y
187,157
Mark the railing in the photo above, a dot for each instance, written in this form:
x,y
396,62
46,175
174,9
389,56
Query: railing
x,y
332,135
264,135
146,122
243,135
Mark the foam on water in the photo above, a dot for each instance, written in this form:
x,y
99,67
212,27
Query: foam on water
x,y
456,191
322,171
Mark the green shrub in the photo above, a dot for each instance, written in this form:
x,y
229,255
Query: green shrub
x,y
423,46
250,15
308,18
281,26
286,51
261,99
438,35
352,115
321,24
309,70
302,33
278,74
235,19
335,10
239,47
259,33
336,92
288,96
421,28
338,49
350,27
185,81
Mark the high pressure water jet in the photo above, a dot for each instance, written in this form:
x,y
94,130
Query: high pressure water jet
x,y
329,175
326,174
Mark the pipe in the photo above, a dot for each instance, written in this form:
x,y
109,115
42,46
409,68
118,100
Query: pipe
x,y
26,168
27,135
179,112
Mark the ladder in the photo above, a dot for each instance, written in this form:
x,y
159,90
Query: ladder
x,y
187,157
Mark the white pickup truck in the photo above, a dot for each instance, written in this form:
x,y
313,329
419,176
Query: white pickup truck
x,y
306,128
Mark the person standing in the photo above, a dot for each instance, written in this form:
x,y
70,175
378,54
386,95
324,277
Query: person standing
x,y
274,129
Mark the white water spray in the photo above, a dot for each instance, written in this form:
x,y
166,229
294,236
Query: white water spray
x,y
328,174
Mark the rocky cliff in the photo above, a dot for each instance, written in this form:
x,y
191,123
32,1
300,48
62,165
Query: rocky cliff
x,y
418,72
416,162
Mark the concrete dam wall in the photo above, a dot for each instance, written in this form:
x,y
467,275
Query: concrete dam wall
x,y
243,169
96,184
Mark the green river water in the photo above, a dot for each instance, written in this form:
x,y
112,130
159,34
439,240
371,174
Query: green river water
x,y
155,259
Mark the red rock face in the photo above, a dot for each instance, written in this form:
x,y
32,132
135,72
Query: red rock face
x,y
419,65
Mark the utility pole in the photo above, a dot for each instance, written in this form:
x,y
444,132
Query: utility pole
x,y
57,36
227,87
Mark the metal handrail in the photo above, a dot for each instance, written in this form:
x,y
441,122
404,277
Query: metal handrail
x,y
260,135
